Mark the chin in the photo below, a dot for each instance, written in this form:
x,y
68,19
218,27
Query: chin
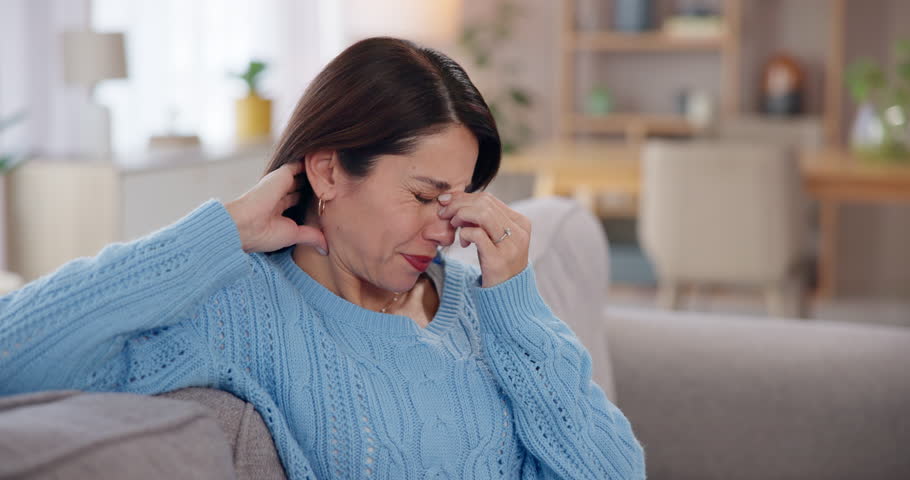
x,y
405,285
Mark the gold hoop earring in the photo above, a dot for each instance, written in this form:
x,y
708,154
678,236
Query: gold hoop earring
x,y
321,208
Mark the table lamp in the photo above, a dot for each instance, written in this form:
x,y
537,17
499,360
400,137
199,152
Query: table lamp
x,y
90,58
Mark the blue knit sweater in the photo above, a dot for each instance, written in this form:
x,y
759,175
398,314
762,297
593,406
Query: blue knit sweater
x,y
495,387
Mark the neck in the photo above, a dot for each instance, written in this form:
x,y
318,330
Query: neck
x,y
338,279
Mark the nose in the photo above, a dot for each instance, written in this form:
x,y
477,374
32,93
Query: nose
x,y
439,230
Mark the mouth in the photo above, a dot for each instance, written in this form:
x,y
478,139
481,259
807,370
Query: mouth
x,y
419,262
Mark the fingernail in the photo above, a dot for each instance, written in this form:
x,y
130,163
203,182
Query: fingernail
x,y
321,251
445,197
442,211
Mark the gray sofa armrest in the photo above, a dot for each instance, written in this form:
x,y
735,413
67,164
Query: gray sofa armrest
x,y
254,453
721,397
70,434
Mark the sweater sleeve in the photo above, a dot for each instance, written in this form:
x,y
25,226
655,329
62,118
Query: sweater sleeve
x,y
564,420
80,326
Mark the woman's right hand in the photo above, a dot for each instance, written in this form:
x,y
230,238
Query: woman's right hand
x,y
257,214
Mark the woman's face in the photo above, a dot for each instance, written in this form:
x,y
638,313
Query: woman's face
x,y
384,228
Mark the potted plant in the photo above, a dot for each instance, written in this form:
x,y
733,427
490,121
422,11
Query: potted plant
x,y
510,102
8,161
254,113
880,131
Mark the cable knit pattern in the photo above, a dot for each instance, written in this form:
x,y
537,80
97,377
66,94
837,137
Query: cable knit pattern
x,y
494,387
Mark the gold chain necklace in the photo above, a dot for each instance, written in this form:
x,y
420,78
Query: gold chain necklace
x,y
392,302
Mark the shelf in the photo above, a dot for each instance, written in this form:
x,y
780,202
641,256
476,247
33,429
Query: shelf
x,y
720,38
641,42
633,125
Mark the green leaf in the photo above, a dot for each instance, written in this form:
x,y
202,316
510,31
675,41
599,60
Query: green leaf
x,y
251,75
902,49
520,96
876,78
10,162
468,36
903,71
854,79
863,77
256,67
901,96
11,120
494,107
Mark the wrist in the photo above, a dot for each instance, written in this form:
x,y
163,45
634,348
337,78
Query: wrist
x,y
235,210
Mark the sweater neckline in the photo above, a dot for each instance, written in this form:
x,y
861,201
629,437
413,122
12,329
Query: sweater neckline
x,y
339,309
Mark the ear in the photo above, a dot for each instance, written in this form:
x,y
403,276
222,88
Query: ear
x,y
324,173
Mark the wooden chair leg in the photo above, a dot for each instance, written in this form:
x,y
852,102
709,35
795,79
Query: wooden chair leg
x,y
668,295
775,299
798,294
787,298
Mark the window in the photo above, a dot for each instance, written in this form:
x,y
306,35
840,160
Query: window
x,y
179,54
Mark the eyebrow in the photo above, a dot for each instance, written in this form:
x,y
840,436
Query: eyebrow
x,y
437,184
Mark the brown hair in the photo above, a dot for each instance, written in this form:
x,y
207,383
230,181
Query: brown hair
x,y
378,97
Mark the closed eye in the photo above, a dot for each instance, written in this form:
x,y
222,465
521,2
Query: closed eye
x,y
423,199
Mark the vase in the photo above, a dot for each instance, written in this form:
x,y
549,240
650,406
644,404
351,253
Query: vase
x,y
698,108
254,119
598,102
881,135
783,82
633,15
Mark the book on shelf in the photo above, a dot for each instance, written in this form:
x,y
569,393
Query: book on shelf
x,y
694,26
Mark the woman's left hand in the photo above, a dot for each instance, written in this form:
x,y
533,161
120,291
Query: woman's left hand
x,y
501,234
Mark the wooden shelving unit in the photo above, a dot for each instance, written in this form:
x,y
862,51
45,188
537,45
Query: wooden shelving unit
x,y
639,42
728,46
635,127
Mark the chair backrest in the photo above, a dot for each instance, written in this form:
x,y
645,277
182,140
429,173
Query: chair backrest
x,y
725,212
512,186
804,133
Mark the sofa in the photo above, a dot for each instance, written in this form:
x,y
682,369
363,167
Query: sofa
x,y
709,396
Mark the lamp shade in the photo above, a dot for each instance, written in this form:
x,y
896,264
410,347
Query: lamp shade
x,y
89,57
425,21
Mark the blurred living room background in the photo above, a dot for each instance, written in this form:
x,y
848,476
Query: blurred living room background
x,y
744,156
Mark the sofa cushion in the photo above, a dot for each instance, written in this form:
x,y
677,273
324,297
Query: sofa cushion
x,y
718,396
254,451
69,434
569,254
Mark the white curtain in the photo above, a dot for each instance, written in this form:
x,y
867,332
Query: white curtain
x,y
180,52
31,82
31,74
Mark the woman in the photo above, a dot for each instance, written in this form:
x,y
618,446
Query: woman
x,y
367,353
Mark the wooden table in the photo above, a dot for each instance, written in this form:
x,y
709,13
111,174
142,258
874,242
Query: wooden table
x,y
835,178
831,177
